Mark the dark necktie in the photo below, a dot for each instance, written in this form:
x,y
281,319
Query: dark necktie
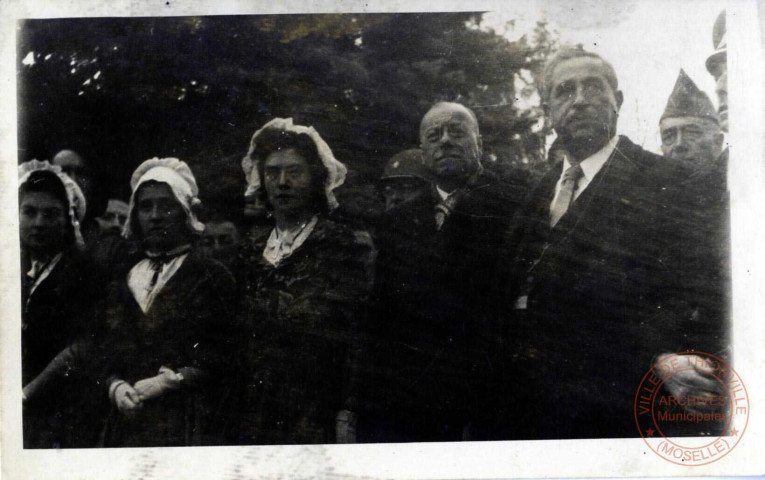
x,y
156,264
158,261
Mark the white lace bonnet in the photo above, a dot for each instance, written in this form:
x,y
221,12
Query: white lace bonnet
x,y
178,176
336,171
77,205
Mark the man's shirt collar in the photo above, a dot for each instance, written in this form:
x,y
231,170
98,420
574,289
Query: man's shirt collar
x,y
442,193
592,164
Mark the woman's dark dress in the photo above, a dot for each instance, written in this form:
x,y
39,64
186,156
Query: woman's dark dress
x,y
60,313
190,324
303,316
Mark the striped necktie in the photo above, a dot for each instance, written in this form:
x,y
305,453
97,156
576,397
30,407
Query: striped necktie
x,y
445,207
566,195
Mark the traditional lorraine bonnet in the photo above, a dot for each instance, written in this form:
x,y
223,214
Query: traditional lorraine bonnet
x,y
336,171
177,175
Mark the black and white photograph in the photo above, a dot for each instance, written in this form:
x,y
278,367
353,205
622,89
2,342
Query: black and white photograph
x,y
361,240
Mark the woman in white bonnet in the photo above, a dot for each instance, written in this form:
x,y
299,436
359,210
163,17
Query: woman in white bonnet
x,y
170,348
304,288
59,288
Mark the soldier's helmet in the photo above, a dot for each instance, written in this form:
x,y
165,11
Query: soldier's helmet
x,y
720,43
407,164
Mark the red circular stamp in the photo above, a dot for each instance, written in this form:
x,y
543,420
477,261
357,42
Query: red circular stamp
x,y
691,408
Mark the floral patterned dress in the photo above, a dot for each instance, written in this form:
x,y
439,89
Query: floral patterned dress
x,y
303,315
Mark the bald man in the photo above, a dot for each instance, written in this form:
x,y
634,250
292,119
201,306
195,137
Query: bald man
x,y
435,282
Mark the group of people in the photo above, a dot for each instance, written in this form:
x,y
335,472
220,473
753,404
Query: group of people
x,y
476,309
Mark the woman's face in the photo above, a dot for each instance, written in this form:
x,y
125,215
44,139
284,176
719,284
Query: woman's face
x,y
42,222
288,181
160,217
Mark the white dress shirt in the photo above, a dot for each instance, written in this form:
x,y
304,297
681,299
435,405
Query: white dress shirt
x,y
590,167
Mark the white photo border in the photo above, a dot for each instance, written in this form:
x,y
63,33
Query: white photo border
x,y
571,458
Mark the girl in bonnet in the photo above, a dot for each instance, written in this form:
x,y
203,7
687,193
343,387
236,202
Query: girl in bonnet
x,y
169,351
59,289
304,285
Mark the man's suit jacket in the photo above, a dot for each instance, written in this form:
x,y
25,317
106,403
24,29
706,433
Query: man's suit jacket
x,y
595,291
434,323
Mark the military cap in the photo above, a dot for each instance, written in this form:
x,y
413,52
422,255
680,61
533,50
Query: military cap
x,y
687,100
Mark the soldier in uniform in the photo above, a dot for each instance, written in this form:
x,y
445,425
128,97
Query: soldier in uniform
x,y
690,129
692,133
404,180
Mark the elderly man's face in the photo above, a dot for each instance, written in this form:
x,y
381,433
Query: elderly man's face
x,y
582,106
450,143
692,140
42,222
288,182
161,218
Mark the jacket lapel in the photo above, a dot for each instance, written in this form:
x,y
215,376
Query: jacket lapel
x,y
541,199
600,192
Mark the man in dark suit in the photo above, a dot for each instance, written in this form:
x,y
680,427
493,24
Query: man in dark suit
x,y
433,279
590,269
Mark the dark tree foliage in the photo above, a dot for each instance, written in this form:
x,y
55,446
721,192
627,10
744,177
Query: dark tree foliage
x,y
121,90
